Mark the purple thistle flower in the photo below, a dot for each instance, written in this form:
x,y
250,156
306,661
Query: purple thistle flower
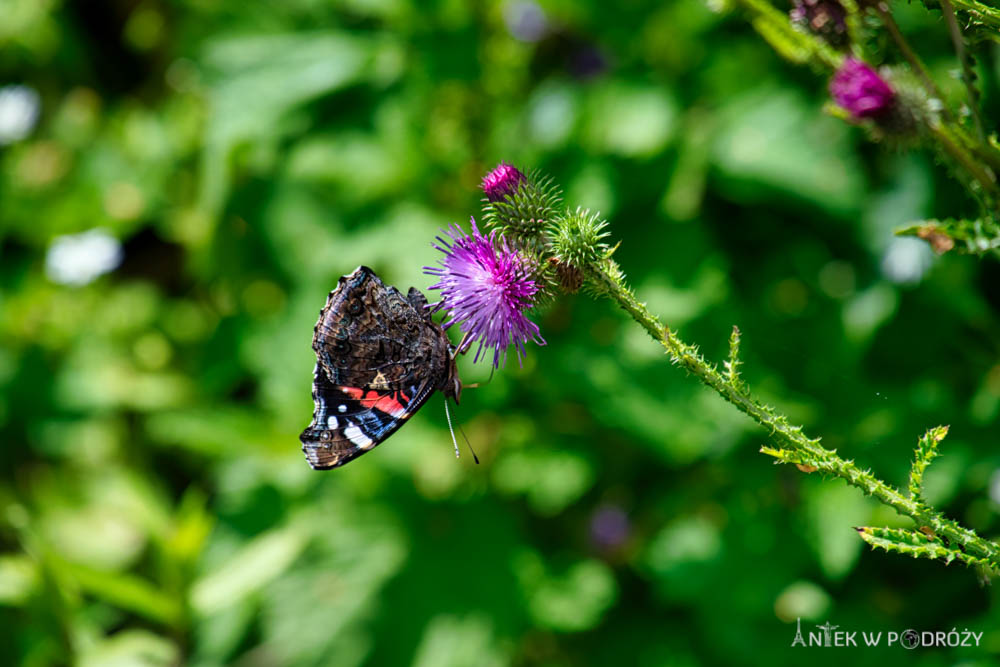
x,y
861,91
822,17
486,286
609,527
502,181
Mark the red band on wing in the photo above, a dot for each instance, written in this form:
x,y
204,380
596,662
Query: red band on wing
x,y
387,403
390,405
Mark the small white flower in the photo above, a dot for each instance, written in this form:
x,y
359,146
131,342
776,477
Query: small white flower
x,y
19,107
77,259
906,260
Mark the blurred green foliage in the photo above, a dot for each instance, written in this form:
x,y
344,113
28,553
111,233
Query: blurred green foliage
x,y
154,506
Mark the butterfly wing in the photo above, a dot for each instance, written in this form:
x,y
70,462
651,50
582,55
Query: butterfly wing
x,y
349,421
379,358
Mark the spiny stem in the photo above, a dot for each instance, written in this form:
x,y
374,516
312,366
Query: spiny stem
x,y
967,75
980,12
952,143
911,56
951,135
608,279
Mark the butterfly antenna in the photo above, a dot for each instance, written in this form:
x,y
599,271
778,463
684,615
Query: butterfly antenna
x,y
447,415
468,444
464,344
480,384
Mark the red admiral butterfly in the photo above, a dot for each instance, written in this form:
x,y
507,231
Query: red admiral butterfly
x,y
379,357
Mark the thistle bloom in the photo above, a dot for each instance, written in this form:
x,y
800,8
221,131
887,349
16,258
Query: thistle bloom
x,y
486,286
609,527
822,17
861,91
502,181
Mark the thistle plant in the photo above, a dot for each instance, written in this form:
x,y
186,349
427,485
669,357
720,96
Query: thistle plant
x,y
889,93
574,243
901,102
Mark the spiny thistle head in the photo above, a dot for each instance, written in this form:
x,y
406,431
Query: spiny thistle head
x,y
891,111
566,276
577,238
520,213
861,91
486,287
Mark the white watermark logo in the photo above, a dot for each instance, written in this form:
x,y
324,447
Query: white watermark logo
x,y
828,636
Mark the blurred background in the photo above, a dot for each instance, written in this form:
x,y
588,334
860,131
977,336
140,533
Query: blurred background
x,y
181,184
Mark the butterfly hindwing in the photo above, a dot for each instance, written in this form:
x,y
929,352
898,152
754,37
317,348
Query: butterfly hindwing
x,y
349,421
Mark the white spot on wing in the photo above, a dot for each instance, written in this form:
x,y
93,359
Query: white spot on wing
x,y
331,422
341,408
357,436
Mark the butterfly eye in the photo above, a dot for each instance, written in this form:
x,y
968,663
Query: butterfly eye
x,y
354,307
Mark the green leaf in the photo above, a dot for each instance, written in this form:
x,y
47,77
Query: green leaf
x,y
571,600
124,590
551,480
630,120
259,562
774,138
18,578
925,453
131,648
975,237
258,79
454,641
829,510
918,545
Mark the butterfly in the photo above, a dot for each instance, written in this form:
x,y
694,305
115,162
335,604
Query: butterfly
x,y
379,357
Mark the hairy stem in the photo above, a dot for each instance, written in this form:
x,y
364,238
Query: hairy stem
x,y
980,12
795,446
951,140
967,74
911,57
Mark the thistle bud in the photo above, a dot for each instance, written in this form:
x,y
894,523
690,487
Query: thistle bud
x,y
577,239
893,112
861,91
519,205
825,18
502,182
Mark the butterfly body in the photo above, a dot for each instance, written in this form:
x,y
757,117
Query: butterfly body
x,y
379,357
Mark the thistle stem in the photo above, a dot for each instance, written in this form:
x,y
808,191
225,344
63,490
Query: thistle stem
x,y
951,141
967,75
980,12
911,56
796,447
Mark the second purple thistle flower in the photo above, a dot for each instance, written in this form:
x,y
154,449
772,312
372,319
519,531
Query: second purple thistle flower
x,y
486,286
502,181
861,90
